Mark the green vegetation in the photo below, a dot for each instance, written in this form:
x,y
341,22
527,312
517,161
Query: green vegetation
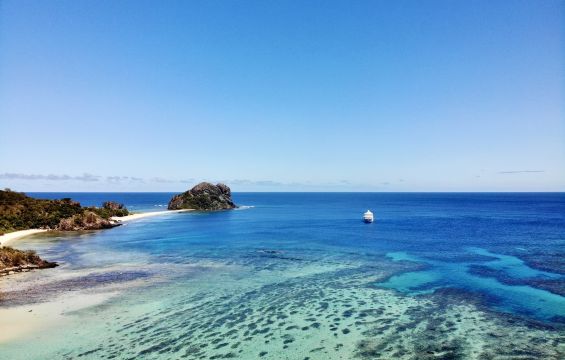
x,y
20,212
109,209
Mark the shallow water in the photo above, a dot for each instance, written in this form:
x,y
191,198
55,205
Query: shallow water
x,y
301,276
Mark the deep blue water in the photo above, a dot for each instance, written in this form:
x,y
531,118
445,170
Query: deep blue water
x,y
505,248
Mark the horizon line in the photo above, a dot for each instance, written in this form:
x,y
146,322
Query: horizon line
x,y
306,192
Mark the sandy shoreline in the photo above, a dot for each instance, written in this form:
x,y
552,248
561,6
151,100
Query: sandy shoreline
x,y
21,320
146,214
27,319
9,238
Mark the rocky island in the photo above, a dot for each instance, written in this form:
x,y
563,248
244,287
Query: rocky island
x,y
204,197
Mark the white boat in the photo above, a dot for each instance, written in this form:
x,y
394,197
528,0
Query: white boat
x,y
368,217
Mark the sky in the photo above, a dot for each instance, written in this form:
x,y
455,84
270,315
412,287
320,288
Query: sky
x,y
282,95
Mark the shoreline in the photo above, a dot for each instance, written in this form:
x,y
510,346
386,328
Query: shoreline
x,y
120,219
9,238
22,320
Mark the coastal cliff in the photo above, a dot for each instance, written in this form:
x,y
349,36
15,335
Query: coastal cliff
x,y
204,197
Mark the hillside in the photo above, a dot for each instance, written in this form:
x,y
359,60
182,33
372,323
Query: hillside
x,y
19,212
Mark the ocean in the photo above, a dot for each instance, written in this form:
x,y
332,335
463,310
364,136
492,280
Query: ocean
x,y
300,276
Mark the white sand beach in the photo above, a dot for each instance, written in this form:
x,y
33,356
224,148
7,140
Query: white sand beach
x,y
8,238
146,214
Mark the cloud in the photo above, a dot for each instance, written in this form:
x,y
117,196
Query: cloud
x,y
267,183
247,182
119,179
172,181
163,180
521,171
86,177
51,177
116,180
339,184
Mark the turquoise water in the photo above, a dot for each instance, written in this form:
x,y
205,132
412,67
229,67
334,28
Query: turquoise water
x,y
301,276
526,300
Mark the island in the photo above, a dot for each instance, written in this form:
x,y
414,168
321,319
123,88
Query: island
x,y
204,197
21,212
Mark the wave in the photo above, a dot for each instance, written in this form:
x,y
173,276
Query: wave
x,y
244,207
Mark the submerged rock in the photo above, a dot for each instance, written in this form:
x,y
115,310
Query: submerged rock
x,y
204,196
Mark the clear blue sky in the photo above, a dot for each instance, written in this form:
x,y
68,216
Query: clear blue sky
x,y
282,95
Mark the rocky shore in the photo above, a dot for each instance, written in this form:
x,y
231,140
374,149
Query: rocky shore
x,y
13,260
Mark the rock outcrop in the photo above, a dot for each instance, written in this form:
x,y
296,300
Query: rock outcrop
x,y
110,209
205,197
88,220
12,260
112,205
